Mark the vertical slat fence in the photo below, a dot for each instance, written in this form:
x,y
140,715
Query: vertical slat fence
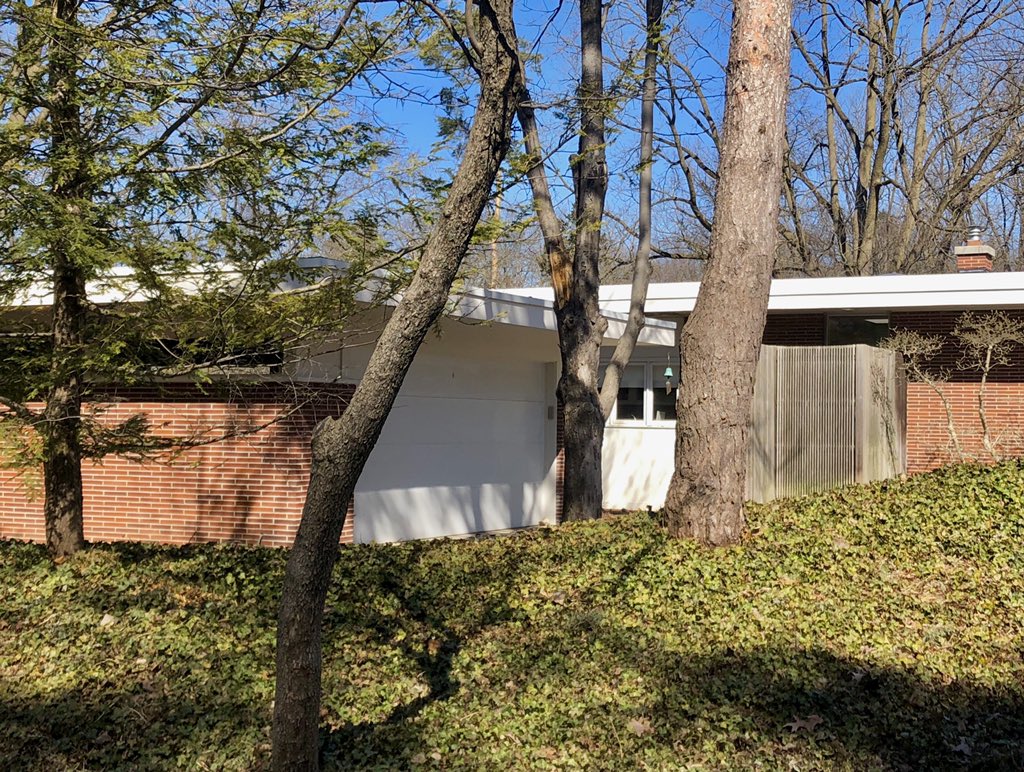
x,y
825,416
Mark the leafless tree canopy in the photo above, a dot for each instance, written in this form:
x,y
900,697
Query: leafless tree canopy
x,y
904,125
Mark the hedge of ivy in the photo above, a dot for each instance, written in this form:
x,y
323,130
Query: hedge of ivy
x,y
874,627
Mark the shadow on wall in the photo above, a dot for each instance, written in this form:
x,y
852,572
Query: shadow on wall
x,y
249,484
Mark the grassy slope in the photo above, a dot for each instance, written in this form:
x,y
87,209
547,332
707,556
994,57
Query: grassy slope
x,y
891,612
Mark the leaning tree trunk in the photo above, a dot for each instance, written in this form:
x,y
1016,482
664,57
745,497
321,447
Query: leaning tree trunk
x,y
341,446
61,428
721,340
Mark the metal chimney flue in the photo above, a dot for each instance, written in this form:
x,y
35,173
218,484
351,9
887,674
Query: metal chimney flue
x,y
975,256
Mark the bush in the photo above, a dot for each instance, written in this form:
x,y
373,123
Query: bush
x,y
872,627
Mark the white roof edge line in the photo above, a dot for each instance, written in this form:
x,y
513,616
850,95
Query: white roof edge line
x,y
481,294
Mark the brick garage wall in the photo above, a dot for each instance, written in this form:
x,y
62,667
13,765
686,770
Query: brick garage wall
x,y
928,440
248,488
559,462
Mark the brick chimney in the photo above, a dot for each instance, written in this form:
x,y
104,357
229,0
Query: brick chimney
x,y
975,256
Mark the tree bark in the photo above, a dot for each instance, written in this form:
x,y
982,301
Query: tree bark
x,y
721,340
340,447
581,326
61,428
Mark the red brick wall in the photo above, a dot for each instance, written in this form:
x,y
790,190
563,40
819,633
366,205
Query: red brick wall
x,y
928,440
247,489
941,323
929,444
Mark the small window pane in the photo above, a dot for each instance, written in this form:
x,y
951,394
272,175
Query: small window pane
x,y
630,403
665,402
847,330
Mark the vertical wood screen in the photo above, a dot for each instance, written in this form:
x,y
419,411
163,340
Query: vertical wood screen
x,y
825,416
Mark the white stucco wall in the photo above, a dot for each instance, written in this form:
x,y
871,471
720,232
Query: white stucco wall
x,y
638,458
637,466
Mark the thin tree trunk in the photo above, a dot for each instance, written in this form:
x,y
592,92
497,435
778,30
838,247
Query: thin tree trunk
x,y
495,262
835,208
986,434
581,326
61,429
642,261
913,171
721,340
866,148
887,29
341,446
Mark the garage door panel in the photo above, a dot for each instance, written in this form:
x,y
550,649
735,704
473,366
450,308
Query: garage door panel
x,y
398,466
471,456
473,378
461,421
417,513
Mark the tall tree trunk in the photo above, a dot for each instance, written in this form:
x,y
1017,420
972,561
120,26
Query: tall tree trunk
x,y
721,340
61,429
341,446
642,261
581,326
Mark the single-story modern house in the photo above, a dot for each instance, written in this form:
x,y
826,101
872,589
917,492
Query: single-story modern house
x,y
472,444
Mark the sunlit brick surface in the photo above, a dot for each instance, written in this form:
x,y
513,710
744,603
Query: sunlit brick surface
x,y
247,489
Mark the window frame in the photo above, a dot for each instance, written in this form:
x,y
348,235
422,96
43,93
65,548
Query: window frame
x,y
644,409
852,315
651,370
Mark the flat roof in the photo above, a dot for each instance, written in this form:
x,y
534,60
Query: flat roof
x,y
503,307
473,303
842,293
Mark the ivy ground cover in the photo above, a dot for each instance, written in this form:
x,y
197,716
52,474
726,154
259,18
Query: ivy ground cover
x,y
873,627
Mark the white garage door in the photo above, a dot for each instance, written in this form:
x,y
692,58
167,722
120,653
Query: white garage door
x,y
465,450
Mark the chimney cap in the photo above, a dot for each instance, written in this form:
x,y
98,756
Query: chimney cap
x,y
975,256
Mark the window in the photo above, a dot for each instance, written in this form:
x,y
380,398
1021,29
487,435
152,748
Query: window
x,y
846,330
629,405
643,398
664,392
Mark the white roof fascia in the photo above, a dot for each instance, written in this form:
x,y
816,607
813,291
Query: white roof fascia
x,y
844,294
539,313
474,303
